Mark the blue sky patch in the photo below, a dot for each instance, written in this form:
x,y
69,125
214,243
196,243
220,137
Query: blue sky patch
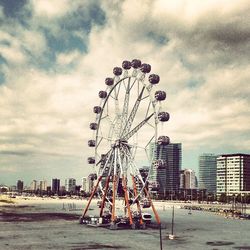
x,y
158,39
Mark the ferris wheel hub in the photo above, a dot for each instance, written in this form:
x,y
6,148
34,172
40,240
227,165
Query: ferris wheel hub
x,y
120,142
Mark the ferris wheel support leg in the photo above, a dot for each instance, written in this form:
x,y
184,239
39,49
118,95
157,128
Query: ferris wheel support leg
x,y
126,200
104,195
153,207
113,200
91,196
137,202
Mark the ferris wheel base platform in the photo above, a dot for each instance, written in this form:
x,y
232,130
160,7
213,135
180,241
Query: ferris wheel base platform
x,y
95,222
122,223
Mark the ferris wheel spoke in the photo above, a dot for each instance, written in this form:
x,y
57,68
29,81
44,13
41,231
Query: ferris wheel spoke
x,y
101,138
133,112
135,172
145,97
148,108
150,125
101,158
125,106
132,85
104,138
136,129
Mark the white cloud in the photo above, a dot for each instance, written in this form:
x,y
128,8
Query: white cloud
x,y
51,9
68,58
205,75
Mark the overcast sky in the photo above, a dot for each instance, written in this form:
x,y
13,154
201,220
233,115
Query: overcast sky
x,y
55,55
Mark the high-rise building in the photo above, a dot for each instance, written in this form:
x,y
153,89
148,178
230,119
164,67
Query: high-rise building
x,y
84,184
43,185
187,179
34,185
19,186
55,185
207,172
233,174
165,171
70,185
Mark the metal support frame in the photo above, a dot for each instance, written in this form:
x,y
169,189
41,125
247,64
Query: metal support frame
x,y
126,200
137,202
153,207
104,195
113,217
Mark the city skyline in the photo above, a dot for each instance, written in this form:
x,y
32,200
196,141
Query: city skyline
x,y
50,78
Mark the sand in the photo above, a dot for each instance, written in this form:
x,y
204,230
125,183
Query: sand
x,y
36,223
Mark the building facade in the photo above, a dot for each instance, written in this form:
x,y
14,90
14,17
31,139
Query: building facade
x,y
70,185
207,172
187,179
43,185
19,186
55,185
233,174
84,184
165,171
34,185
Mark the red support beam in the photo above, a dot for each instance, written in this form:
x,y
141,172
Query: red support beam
x,y
91,196
153,207
104,195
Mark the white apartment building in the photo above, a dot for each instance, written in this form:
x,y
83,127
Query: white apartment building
x,y
43,185
233,174
187,179
34,185
84,184
70,185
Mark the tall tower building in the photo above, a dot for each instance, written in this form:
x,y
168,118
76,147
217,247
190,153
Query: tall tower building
x,y
19,186
233,173
207,172
70,185
84,184
187,179
34,185
43,185
166,167
55,185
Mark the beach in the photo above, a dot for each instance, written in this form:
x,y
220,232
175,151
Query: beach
x,y
45,223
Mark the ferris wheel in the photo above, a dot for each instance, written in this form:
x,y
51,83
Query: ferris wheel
x,y
125,132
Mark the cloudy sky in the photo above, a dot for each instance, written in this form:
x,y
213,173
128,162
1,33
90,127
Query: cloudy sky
x,y
55,55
